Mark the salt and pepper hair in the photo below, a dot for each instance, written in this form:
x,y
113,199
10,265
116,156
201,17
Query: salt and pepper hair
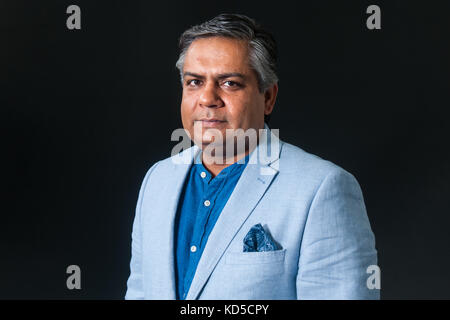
x,y
262,45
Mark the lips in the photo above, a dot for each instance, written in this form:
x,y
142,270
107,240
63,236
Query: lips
x,y
211,122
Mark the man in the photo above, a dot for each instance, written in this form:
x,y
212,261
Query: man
x,y
242,225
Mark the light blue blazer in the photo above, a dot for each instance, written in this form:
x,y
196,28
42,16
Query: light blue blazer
x,y
311,207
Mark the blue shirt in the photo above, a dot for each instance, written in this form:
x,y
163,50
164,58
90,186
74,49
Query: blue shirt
x,y
200,205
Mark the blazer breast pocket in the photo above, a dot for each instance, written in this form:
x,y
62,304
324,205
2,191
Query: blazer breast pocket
x,y
253,264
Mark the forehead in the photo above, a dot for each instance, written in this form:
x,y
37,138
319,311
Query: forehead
x,y
217,54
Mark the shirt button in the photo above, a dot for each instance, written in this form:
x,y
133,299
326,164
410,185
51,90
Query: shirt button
x,y
207,203
193,248
203,174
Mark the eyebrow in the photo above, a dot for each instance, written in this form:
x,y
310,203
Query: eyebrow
x,y
220,76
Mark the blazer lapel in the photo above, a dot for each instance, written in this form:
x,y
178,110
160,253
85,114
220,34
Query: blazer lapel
x,y
164,223
256,177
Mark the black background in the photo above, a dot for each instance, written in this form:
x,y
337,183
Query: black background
x,y
85,113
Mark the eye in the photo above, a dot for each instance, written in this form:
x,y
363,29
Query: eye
x,y
193,82
232,84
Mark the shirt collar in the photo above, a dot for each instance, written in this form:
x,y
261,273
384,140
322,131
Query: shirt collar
x,y
235,168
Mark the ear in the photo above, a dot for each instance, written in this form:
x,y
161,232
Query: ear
x,y
270,95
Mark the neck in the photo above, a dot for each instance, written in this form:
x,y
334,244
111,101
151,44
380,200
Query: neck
x,y
210,161
214,168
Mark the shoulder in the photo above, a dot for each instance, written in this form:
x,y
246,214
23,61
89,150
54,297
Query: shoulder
x,y
298,161
303,166
167,172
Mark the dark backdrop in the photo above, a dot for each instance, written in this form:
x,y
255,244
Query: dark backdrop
x,y
85,113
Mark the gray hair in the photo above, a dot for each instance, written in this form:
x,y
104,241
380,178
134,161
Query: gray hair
x,y
262,45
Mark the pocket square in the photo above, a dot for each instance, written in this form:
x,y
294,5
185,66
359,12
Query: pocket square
x,y
258,240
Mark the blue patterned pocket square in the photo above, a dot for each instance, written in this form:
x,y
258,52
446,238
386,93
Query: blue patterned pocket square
x,y
258,240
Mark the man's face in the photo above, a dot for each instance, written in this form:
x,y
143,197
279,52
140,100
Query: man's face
x,y
220,90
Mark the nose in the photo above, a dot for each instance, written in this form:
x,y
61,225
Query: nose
x,y
209,97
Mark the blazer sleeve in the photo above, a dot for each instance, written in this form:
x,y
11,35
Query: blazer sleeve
x,y
338,244
135,290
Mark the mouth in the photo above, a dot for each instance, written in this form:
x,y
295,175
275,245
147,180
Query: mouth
x,y
211,122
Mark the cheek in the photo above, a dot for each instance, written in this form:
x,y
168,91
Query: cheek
x,y
244,108
187,105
